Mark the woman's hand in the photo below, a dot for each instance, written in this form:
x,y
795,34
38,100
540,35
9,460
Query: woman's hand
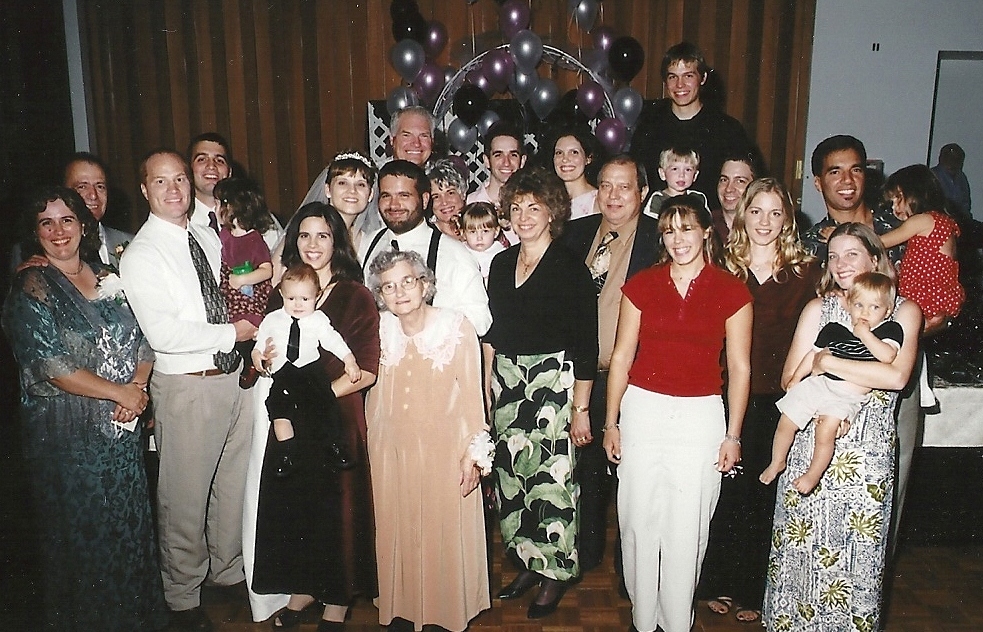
x,y
469,475
132,397
263,359
580,428
728,456
612,443
123,415
36,261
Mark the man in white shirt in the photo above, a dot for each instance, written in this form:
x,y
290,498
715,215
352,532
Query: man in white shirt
x,y
211,161
404,193
504,155
203,424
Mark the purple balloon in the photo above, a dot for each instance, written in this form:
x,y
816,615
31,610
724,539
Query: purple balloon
x,y
611,133
436,38
604,36
477,76
498,67
429,83
590,98
449,73
513,18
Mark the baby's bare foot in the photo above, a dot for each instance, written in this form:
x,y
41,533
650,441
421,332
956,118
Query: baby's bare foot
x,y
772,472
805,484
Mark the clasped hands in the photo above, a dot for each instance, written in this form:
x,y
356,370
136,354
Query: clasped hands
x,y
131,401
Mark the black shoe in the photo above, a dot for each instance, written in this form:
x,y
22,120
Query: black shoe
x,y
540,610
338,457
284,466
193,620
248,377
522,583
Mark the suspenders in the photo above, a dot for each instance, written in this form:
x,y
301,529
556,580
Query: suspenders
x,y
431,251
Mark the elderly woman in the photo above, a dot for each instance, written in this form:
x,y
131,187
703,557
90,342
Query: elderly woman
x,y
765,252
333,518
84,366
448,190
540,361
425,454
826,569
674,438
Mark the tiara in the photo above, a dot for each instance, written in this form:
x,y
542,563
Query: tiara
x,y
354,155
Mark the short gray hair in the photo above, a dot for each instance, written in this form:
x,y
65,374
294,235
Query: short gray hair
x,y
413,109
387,260
443,173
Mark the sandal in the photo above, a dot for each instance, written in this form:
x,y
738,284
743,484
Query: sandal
x,y
747,615
720,605
287,619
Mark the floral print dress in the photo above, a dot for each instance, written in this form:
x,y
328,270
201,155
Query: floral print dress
x,y
826,569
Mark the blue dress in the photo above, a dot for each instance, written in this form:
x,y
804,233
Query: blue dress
x,y
88,485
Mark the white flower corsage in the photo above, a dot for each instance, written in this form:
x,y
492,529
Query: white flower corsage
x,y
111,286
481,450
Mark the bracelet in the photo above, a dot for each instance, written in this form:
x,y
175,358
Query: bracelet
x,y
730,437
611,427
580,409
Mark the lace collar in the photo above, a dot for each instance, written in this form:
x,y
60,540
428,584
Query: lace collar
x,y
437,342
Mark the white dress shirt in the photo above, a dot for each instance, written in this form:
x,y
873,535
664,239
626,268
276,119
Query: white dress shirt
x,y
162,287
459,282
315,330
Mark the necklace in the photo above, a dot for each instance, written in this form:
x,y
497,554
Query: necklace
x,y
76,273
528,265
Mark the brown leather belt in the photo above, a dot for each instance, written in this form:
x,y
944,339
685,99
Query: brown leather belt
x,y
207,373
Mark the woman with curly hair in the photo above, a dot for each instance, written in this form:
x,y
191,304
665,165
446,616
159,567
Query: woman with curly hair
x,y
764,251
540,360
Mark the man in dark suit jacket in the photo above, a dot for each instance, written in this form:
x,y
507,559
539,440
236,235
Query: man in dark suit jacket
x,y
632,242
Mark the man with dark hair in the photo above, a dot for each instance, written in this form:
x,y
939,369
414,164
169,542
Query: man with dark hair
x,y
955,185
615,244
738,170
404,193
210,158
203,424
839,171
685,119
504,154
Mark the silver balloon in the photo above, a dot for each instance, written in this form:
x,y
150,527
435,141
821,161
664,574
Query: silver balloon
x,y
527,49
407,58
627,106
544,98
401,97
522,85
584,12
487,119
460,136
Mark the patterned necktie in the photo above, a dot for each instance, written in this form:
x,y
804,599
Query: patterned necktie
x,y
214,303
293,340
601,261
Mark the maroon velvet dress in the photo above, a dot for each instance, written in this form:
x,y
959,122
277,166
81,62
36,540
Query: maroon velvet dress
x,y
336,561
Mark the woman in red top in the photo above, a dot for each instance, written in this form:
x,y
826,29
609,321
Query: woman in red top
x,y
672,442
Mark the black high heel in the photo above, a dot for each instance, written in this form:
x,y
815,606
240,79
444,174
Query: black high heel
x,y
520,585
540,610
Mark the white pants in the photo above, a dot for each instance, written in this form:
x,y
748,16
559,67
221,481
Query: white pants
x,y
668,487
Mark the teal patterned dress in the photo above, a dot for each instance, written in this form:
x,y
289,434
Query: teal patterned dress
x,y
88,484
826,569
545,337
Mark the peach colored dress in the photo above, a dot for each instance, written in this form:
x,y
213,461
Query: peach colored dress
x,y
421,415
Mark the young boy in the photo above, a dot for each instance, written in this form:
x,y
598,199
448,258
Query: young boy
x,y
679,168
297,330
826,397
479,225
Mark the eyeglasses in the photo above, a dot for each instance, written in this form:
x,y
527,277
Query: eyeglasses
x,y
407,283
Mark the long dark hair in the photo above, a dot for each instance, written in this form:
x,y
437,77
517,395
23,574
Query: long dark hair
x,y
344,262
35,204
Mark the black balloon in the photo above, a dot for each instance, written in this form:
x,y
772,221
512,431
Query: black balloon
x,y
411,26
400,8
626,58
470,102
